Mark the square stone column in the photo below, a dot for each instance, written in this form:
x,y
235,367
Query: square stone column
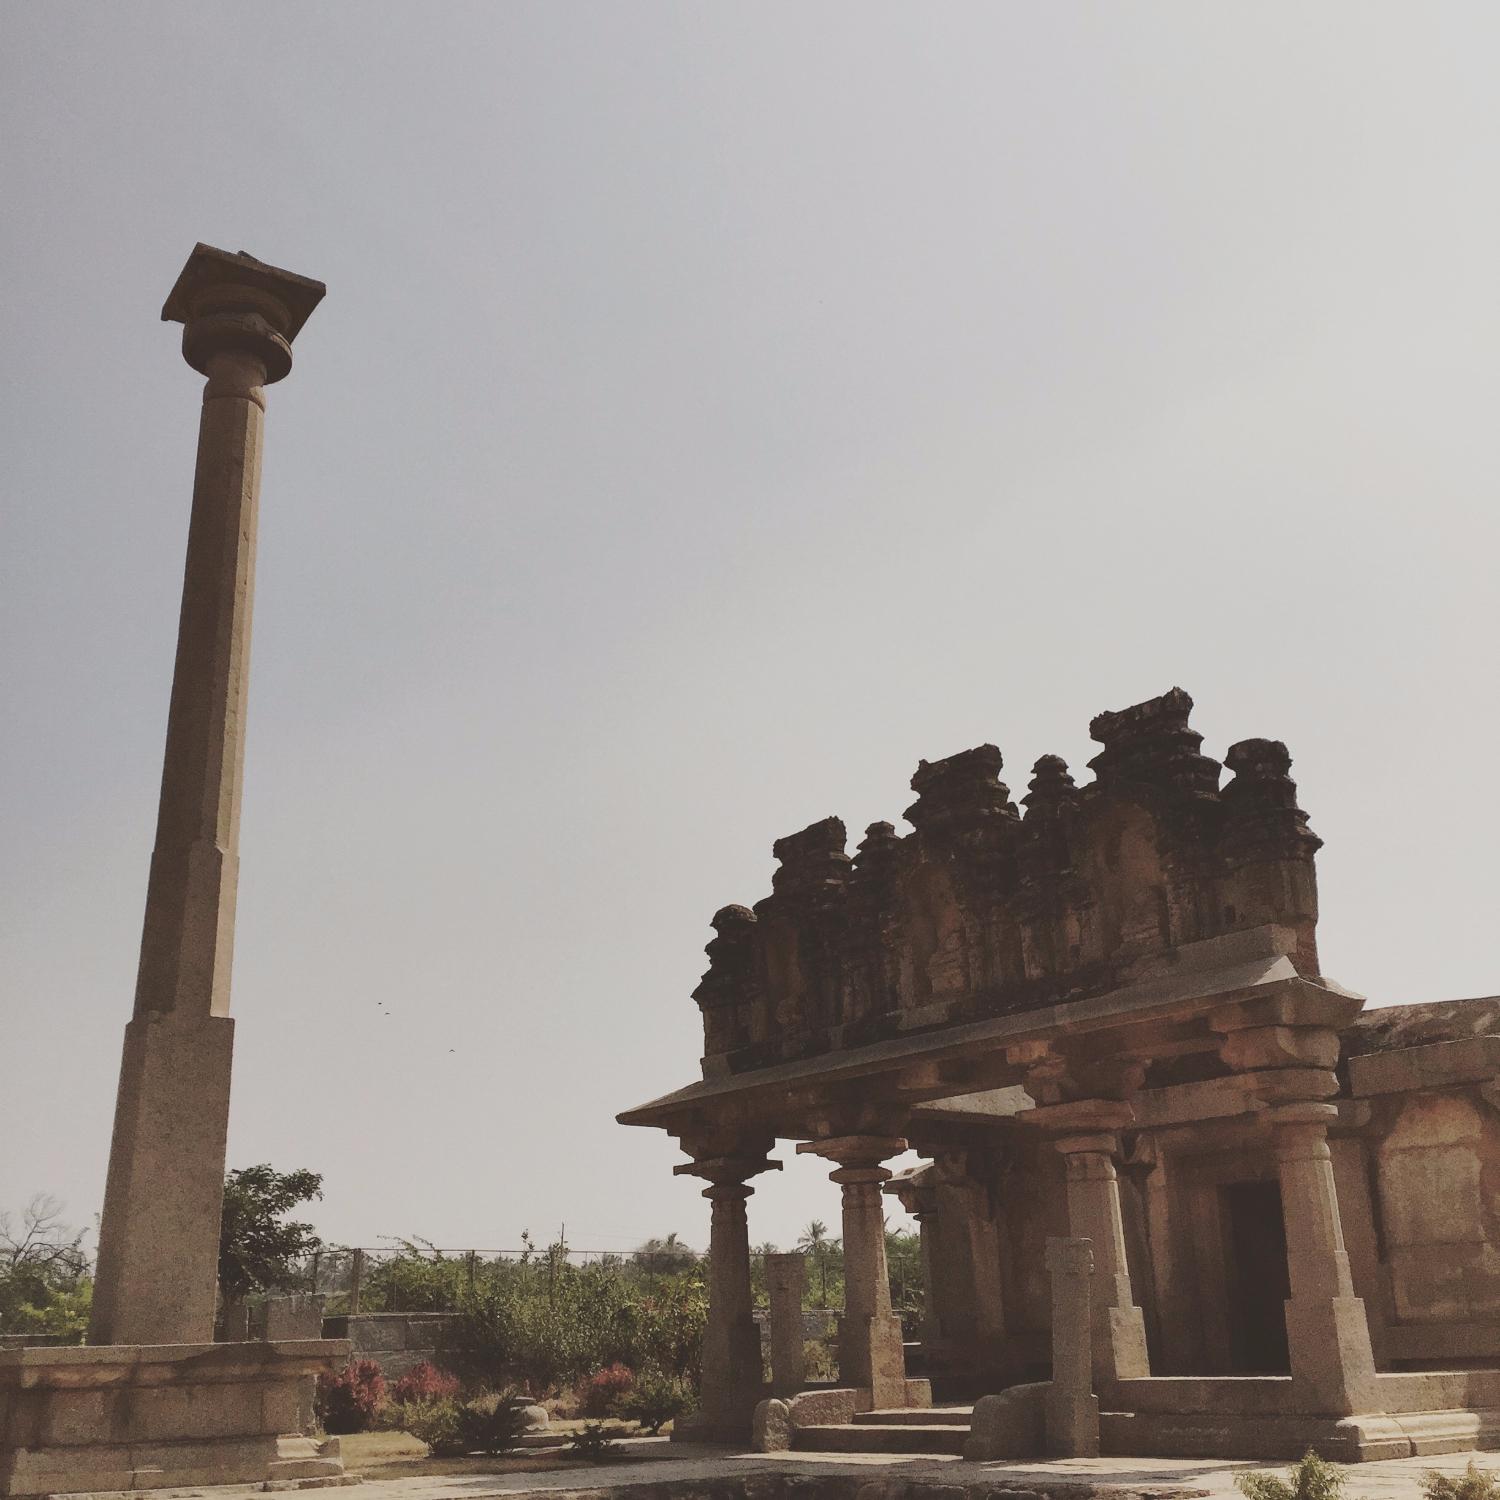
x,y
1328,1335
733,1382
871,1352
786,1285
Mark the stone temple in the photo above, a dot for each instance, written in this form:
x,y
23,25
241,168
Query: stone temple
x,y
1170,1162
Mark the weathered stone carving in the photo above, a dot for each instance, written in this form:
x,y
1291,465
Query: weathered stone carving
x,y
985,911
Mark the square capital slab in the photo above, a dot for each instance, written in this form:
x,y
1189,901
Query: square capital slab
x,y
212,280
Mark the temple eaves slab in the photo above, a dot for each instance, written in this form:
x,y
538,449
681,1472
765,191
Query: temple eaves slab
x,y
1204,976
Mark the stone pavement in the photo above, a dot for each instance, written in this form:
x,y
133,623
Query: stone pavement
x,y
684,1472
657,1470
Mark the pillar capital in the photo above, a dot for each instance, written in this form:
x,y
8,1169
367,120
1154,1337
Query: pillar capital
x,y
239,318
727,1176
856,1153
1081,1118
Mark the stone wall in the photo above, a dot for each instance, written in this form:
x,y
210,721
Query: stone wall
x,y
395,1341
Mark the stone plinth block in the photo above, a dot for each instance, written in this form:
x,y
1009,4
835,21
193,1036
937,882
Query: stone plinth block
x,y
131,1417
167,1172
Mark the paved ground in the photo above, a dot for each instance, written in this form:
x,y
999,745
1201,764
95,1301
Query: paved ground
x,y
1393,1479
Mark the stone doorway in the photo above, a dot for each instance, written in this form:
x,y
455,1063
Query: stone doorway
x,y
1256,1274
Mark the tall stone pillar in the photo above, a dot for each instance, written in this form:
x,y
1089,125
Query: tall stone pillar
x,y
1328,1335
732,1373
159,1237
871,1356
786,1285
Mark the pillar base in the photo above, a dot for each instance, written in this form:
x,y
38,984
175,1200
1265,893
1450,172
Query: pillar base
x,y
133,1417
159,1240
1071,1423
1333,1370
879,1341
1120,1344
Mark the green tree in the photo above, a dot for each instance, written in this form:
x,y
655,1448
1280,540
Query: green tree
x,y
44,1281
665,1257
258,1247
817,1244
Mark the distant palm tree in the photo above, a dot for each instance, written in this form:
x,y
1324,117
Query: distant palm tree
x,y
665,1256
816,1242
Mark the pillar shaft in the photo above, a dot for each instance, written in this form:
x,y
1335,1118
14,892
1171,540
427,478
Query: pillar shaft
x,y
871,1352
159,1236
1328,1335
733,1381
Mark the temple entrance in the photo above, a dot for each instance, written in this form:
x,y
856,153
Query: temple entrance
x,y
1255,1249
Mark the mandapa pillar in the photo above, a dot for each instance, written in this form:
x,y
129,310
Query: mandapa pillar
x,y
159,1236
1283,1049
1086,1132
732,1383
1328,1335
871,1352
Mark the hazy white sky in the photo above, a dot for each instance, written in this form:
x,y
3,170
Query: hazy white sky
x,y
715,409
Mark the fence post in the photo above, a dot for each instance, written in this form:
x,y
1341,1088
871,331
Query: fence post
x,y
316,1257
356,1276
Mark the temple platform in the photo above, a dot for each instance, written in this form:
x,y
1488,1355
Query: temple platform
x,y
132,1417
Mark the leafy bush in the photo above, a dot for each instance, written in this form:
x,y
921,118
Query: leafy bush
x,y
591,1441
415,1279
1473,1484
550,1325
1310,1478
601,1393
424,1382
491,1426
433,1422
349,1400
657,1399
451,1428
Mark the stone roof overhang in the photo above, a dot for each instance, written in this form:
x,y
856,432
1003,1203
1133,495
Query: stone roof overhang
x,y
1158,1015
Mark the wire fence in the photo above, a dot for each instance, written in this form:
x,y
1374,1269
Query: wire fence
x,y
417,1277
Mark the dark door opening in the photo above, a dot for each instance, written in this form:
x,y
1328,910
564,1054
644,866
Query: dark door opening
x,y
1255,1247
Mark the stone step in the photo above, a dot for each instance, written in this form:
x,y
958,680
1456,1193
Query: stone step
x,y
856,1438
915,1416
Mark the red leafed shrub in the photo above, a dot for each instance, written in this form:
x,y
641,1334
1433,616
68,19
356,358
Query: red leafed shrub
x,y
348,1400
601,1393
424,1382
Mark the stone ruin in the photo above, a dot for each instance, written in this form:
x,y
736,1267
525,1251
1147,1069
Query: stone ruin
x,y
1101,1016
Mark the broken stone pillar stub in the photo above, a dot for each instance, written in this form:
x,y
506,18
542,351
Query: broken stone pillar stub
x,y
1072,1408
786,1283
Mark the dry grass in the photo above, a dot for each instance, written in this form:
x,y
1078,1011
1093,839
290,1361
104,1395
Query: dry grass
x,y
398,1455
